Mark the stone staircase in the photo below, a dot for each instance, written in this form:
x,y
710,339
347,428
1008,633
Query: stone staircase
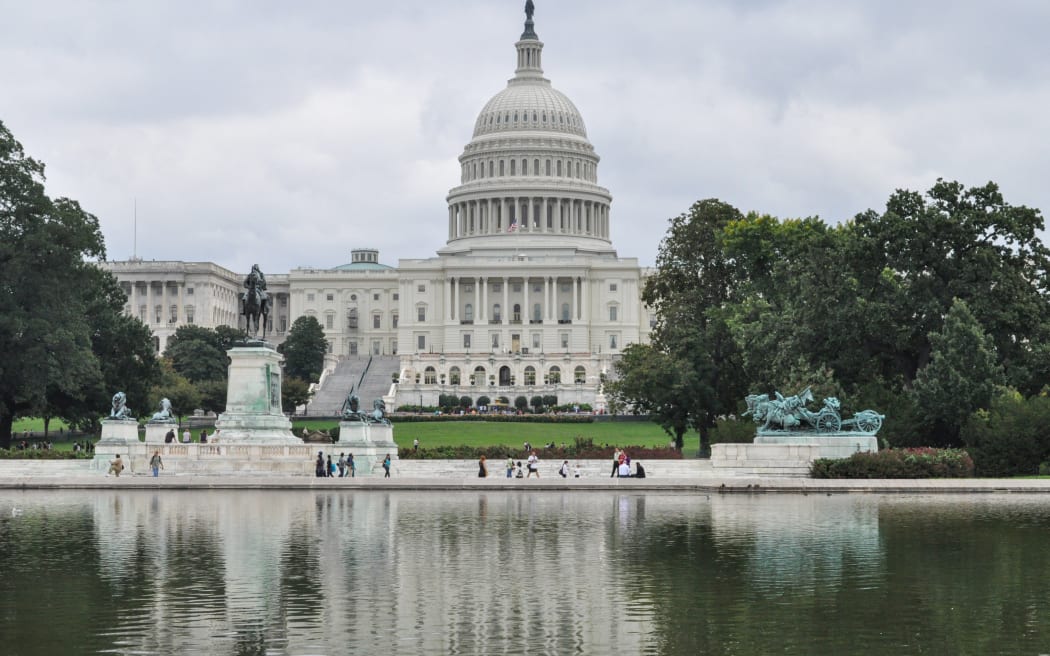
x,y
329,399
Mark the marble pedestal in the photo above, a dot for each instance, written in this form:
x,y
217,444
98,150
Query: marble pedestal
x,y
118,436
829,445
155,432
253,399
370,443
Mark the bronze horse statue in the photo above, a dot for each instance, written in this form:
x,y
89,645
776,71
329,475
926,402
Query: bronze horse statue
x,y
256,305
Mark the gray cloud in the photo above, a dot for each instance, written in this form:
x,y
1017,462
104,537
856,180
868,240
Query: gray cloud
x,y
290,133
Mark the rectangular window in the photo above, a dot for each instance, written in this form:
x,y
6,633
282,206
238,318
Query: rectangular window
x,y
283,324
421,289
612,313
612,286
309,298
330,347
142,313
393,346
466,340
538,289
397,297
377,347
497,287
375,321
283,301
329,321
516,288
421,314
189,291
421,342
375,297
495,340
535,340
173,316
612,341
393,320
189,314
329,297
565,340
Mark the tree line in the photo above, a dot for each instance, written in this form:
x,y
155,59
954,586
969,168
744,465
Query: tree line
x,y
927,311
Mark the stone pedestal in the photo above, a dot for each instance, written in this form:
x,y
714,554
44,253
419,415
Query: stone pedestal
x,y
830,445
253,399
370,444
119,432
155,432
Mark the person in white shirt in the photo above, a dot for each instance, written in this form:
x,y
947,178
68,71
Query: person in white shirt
x,y
576,471
625,470
616,462
186,436
533,464
564,470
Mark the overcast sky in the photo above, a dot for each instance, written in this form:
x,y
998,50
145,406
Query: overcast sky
x,y
288,133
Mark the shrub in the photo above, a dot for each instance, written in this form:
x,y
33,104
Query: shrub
x,y
41,454
1011,438
484,401
897,463
535,419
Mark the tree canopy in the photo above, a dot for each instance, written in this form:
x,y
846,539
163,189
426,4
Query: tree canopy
x,y
304,349
924,306
63,341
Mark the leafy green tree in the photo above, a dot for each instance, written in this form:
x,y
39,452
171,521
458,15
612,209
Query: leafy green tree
x,y
692,290
912,261
179,390
46,292
537,403
649,381
961,377
304,349
484,401
197,360
213,395
466,402
294,393
521,403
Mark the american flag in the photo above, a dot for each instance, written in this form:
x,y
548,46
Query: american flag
x,y
512,227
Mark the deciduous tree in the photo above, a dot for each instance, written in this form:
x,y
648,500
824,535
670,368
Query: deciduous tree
x,y
304,349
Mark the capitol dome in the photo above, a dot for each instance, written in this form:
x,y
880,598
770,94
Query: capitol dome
x,y
534,106
529,178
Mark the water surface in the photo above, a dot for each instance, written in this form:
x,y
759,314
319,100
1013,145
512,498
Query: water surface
x,y
360,572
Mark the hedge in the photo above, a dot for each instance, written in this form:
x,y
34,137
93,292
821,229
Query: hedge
x,y
582,449
897,463
525,419
43,454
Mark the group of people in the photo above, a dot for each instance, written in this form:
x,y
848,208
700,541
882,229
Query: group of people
x,y
344,467
187,436
622,466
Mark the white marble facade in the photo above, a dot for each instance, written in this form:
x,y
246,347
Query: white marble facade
x,y
527,297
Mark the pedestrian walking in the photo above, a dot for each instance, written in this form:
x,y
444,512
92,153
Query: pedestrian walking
x,y
351,466
342,465
510,467
330,468
564,470
319,465
386,466
616,463
156,464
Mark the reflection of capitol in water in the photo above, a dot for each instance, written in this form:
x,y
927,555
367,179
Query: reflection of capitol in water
x,y
426,573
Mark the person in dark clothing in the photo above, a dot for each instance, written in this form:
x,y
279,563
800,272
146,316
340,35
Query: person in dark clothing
x,y
639,471
319,467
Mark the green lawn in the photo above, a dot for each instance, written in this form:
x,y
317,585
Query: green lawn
x,y
37,426
481,434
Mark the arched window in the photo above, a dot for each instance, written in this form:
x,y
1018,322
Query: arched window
x,y
492,166
478,377
453,376
351,317
517,312
580,375
524,167
554,377
547,170
530,375
559,168
513,166
430,376
501,172
536,167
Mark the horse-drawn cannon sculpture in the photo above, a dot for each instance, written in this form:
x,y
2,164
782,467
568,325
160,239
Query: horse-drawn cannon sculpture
x,y
790,415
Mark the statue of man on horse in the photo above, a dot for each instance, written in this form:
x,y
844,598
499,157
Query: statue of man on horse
x,y
255,302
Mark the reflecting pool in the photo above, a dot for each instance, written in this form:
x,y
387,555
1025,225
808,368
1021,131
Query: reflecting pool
x,y
362,572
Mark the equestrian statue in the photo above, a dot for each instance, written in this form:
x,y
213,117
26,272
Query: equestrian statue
x,y
255,303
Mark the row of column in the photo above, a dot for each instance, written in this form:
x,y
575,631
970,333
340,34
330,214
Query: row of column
x,y
566,216
482,302
135,300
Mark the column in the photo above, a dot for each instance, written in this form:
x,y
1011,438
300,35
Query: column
x,y
504,217
506,300
572,312
547,298
526,313
585,298
455,299
543,214
477,299
150,314
451,232
483,308
448,299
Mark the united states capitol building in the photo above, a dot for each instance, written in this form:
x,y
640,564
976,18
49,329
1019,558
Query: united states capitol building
x,y
527,297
